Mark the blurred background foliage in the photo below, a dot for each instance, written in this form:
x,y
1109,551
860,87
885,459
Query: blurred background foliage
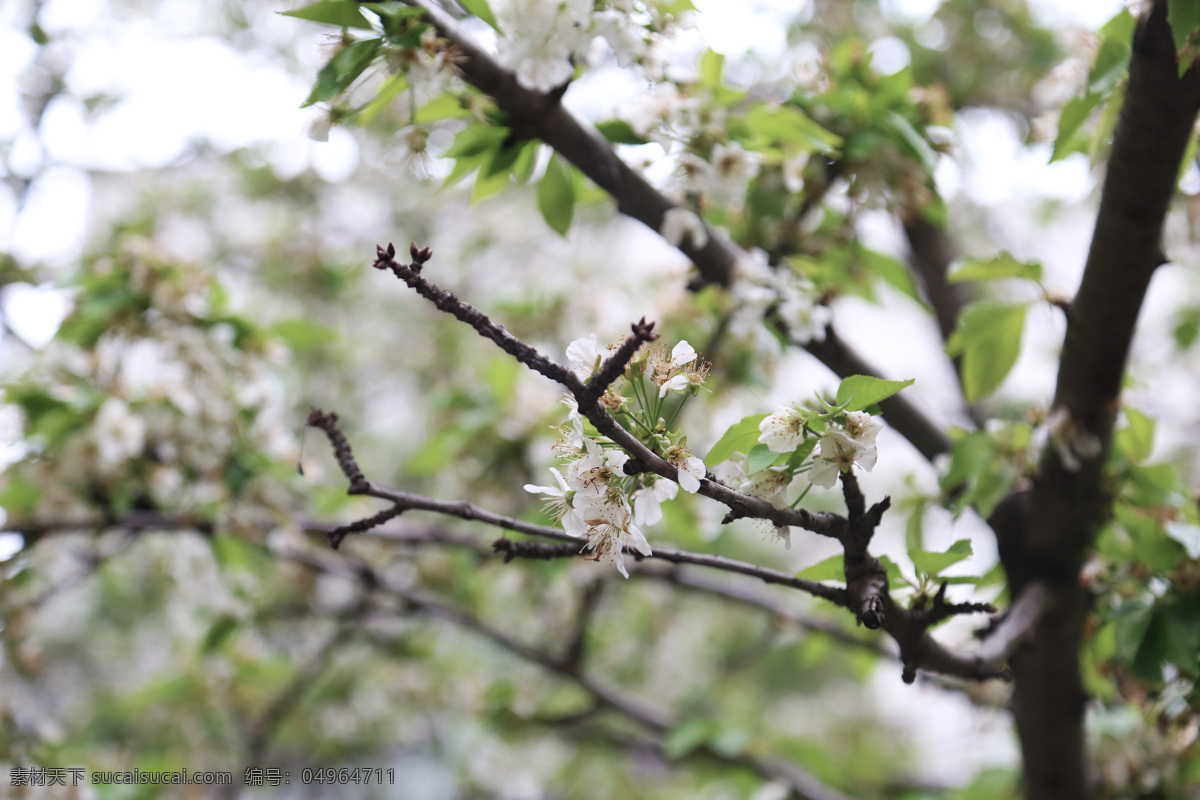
x,y
167,598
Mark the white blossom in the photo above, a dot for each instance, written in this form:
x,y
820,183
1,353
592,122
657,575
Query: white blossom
x,y
541,37
120,434
607,544
585,356
782,431
558,504
591,474
647,501
842,449
689,468
669,374
679,224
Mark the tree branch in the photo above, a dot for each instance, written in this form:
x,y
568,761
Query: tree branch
x,y
545,117
646,714
1043,536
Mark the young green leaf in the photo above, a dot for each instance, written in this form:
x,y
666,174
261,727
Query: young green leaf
x,y
556,195
740,438
862,391
342,70
932,564
618,131
711,65
481,9
992,269
830,569
1184,18
1136,440
332,12
988,338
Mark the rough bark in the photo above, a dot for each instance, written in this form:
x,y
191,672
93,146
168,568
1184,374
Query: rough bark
x,y
1044,533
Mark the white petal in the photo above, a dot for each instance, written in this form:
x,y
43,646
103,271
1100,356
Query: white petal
x,y
682,353
824,472
679,223
677,384
688,481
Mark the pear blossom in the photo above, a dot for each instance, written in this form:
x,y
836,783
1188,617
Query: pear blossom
x,y
558,504
689,468
668,373
120,434
590,475
607,544
647,501
768,484
782,431
679,224
839,452
862,428
585,356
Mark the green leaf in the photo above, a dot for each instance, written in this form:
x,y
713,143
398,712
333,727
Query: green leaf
x,y
686,737
556,195
477,139
387,93
1136,440
19,497
996,268
444,106
304,335
932,564
895,576
1184,18
711,65
988,338
332,12
741,437
342,70
831,569
787,125
893,272
862,391
912,138
618,131
1073,115
218,632
914,529
760,457
481,9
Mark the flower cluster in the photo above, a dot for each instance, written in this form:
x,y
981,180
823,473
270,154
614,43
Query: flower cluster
x,y
839,448
157,401
757,289
595,499
853,445
543,40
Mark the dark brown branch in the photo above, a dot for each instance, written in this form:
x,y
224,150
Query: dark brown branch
x,y
1045,538
339,533
341,449
463,312
614,367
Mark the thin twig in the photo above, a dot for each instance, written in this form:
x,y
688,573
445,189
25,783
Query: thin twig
x,y
658,721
